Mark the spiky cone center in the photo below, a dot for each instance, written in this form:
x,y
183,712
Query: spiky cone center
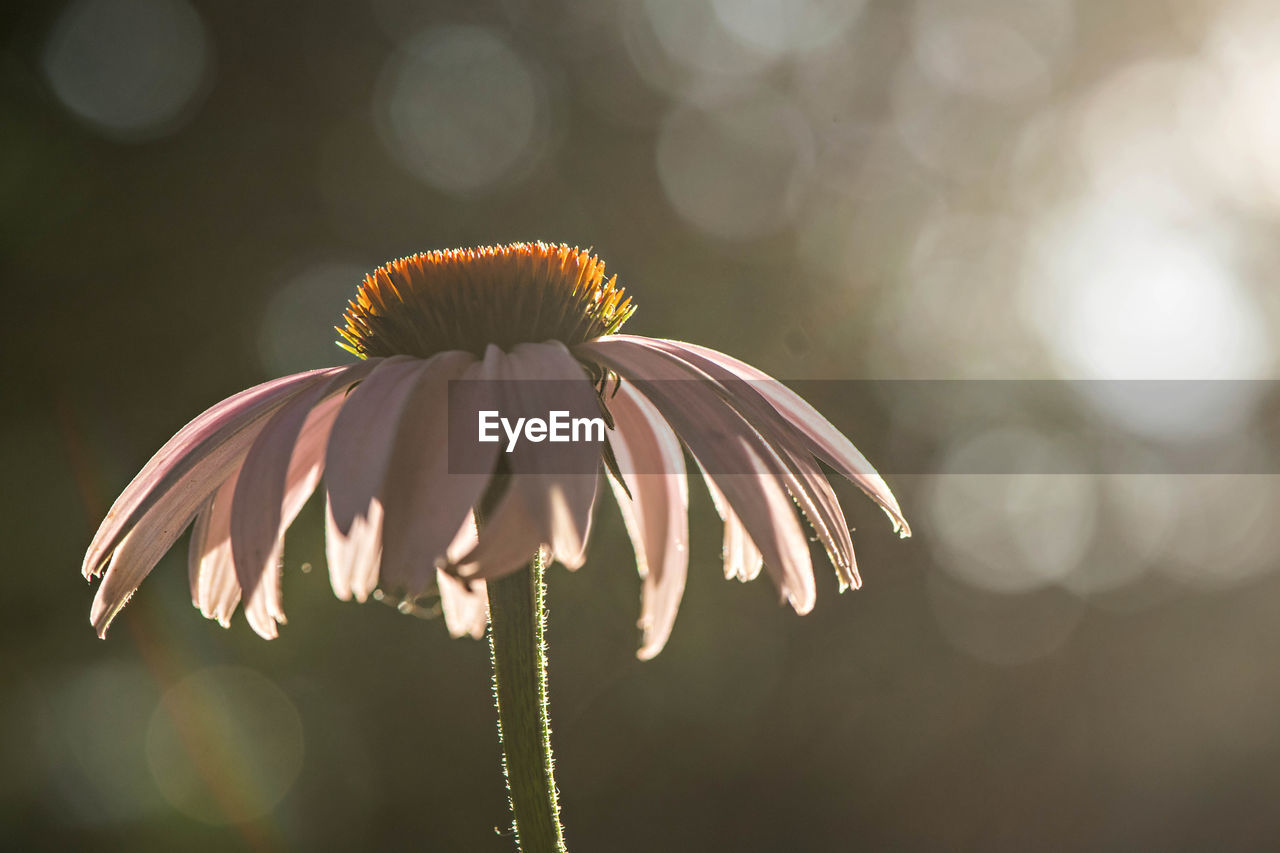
x,y
466,299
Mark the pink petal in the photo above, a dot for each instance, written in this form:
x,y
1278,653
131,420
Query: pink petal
x,y
279,474
465,605
508,540
359,451
426,504
510,536
822,508
133,559
354,555
182,474
464,540
195,551
742,558
722,441
768,516
214,587
806,481
545,502
657,512
821,438
562,501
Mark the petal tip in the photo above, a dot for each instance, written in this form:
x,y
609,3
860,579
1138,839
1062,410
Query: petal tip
x,y
651,645
103,613
899,520
802,606
267,631
572,562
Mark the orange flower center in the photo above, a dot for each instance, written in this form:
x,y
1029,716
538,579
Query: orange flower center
x,y
466,299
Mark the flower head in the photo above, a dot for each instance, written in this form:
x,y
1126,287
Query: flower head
x,y
402,499
470,299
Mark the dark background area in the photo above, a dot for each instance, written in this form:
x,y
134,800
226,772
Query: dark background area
x,y
189,191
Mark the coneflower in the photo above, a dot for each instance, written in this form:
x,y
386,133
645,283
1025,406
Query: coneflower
x,y
407,517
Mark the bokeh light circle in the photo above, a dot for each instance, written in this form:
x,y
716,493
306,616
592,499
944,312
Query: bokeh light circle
x,y
1012,532
1000,50
1226,533
736,172
296,332
936,323
1132,282
962,136
225,745
132,69
681,48
460,109
100,716
787,26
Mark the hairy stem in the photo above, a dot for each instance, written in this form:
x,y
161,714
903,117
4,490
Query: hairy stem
x,y
518,650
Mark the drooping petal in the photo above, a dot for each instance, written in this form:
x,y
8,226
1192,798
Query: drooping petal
x,y
466,608
548,500
511,535
186,470
765,510
465,603
263,606
425,503
723,442
360,446
353,555
823,439
508,540
279,474
214,587
137,554
822,508
742,558
806,481
195,551
656,513
561,498
464,540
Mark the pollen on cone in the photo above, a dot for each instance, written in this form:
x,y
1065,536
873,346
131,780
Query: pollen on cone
x,y
466,299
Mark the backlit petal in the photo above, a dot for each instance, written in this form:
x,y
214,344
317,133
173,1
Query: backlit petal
x,y
742,558
656,513
823,439
547,501
722,442
360,446
465,605
425,503
214,586
186,470
805,480
279,474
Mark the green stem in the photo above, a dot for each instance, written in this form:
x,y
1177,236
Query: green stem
x,y
518,650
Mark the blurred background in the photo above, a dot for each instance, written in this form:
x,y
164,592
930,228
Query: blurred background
x,y
829,189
